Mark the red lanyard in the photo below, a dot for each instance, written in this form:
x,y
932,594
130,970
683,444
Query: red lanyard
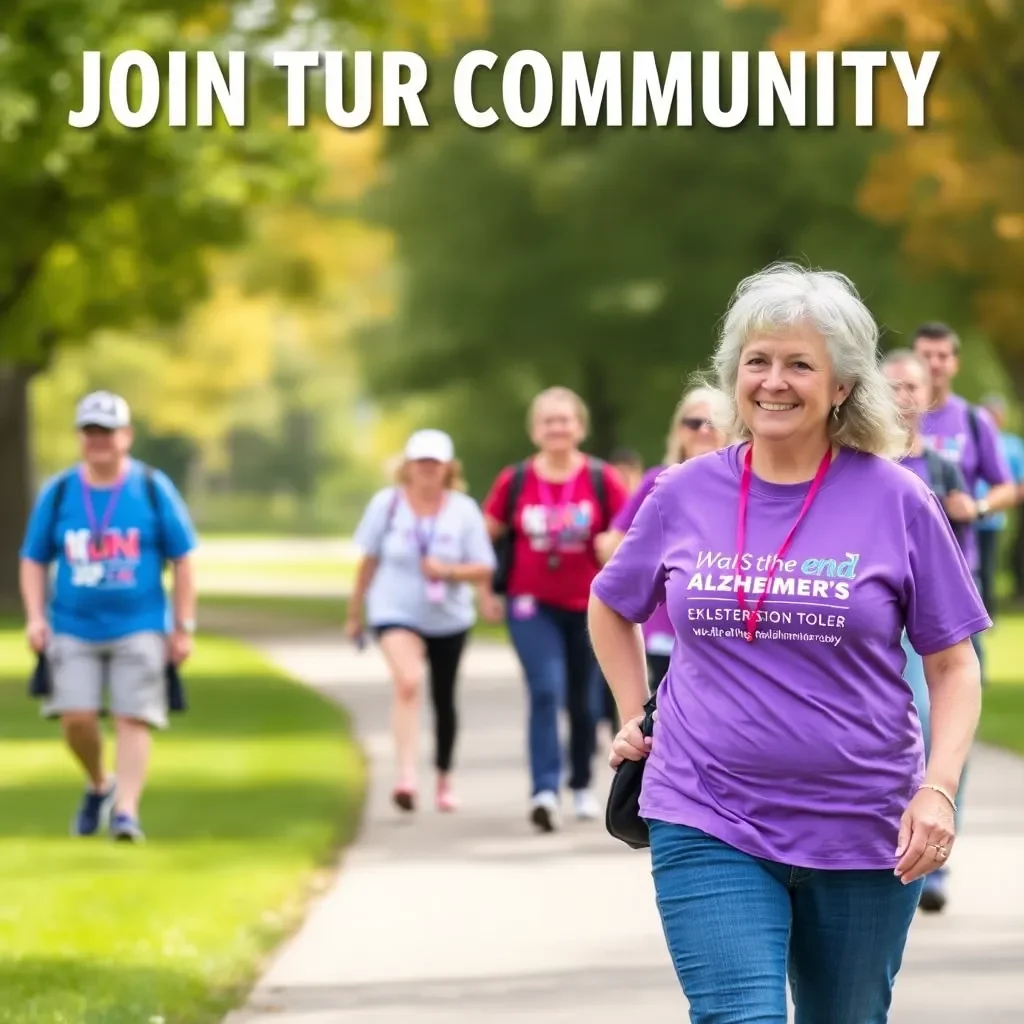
x,y
741,532
98,532
555,522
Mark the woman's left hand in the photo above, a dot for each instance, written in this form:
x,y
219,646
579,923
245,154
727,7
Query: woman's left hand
x,y
434,569
927,834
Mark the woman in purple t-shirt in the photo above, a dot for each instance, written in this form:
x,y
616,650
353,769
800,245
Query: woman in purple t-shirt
x,y
696,429
792,815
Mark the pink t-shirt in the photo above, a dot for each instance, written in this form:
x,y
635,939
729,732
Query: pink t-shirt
x,y
564,517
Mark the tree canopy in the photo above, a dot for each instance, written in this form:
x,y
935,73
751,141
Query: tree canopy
x,y
603,258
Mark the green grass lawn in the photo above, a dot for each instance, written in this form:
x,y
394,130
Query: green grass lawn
x,y
1002,717
295,614
1002,713
251,793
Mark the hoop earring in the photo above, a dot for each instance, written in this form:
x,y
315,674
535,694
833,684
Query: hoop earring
x,y
835,412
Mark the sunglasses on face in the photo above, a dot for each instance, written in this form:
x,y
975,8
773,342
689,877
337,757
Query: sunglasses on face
x,y
694,423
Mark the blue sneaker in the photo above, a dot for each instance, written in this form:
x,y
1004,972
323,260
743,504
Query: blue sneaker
x,y
94,812
126,829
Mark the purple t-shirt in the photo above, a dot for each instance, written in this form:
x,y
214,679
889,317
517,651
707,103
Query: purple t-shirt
x,y
802,747
948,431
657,630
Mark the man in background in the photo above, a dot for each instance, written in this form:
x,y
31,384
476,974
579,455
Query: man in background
x,y
966,436
107,526
991,527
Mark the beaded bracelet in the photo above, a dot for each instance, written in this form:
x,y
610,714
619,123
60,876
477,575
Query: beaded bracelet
x,y
941,792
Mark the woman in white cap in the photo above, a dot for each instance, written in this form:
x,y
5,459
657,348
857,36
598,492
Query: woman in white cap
x,y
425,546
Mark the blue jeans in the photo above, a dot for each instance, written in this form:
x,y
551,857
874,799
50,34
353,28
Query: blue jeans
x,y
737,927
554,649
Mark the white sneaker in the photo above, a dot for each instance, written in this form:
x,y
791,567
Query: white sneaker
x,y
544,811
585,805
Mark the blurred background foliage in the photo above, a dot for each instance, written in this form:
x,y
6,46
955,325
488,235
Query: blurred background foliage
x,y
282,306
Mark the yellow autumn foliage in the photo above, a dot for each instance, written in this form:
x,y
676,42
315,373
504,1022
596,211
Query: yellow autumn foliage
x,y
955,186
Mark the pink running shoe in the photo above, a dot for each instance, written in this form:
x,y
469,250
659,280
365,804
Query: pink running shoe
x,y
446,801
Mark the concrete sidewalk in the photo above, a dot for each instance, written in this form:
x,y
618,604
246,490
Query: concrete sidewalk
x,y
467,917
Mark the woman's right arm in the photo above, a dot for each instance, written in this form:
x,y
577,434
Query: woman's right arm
x,y
369,538
623,595
355,620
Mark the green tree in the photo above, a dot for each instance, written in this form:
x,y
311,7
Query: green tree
x,y
112,227
600,258
955,190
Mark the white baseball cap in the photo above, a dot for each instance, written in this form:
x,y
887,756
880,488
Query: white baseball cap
x,y
102,409
430,444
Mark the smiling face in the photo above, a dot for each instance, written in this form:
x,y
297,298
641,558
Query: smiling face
x,y
785,389
556,426
426,474
912,387
103,449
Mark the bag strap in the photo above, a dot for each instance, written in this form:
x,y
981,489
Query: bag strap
x,y
59,490
972,420
937,476
396,493
597,482
154,504
515,488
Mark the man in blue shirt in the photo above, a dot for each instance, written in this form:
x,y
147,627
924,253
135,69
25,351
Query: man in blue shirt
x,y
106,527
993,525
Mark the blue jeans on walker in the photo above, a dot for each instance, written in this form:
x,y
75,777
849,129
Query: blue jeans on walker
x,y
554,649
737,926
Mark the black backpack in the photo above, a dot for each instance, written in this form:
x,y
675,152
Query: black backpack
x,y
504,545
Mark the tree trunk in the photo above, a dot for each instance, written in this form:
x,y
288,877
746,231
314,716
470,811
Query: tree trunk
x,y
16,474
604,415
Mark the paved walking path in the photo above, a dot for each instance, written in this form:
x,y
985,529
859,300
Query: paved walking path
x,y
458,919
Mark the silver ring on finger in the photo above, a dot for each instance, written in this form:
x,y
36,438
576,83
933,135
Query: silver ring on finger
x,y
940,851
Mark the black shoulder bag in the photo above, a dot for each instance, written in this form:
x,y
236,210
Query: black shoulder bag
x,y
622,812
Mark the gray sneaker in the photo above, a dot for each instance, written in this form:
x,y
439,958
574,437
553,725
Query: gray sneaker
x,y
126,829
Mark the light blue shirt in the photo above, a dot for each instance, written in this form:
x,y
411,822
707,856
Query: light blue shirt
x,y
111,585
398,593
1013,451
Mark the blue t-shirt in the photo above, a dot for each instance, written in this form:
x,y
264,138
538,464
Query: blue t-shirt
x,y
1013,450
108,588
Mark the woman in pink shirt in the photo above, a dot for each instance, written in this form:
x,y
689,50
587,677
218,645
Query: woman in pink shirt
x,y
546,511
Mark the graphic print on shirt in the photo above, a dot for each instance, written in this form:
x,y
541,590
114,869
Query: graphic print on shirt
x,y
567,528
806,599
949,447
110,563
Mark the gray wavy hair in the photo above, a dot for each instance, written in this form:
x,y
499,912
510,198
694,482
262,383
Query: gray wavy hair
x,y
784,295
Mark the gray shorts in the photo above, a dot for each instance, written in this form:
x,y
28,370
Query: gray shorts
x,y
130,670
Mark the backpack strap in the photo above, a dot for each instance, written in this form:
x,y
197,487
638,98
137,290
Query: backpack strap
x,y
938,479
515,488
972,421
597,481
59,490
396,493
154,503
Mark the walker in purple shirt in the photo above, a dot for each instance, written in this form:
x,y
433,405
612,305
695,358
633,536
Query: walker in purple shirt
x,y
657,630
